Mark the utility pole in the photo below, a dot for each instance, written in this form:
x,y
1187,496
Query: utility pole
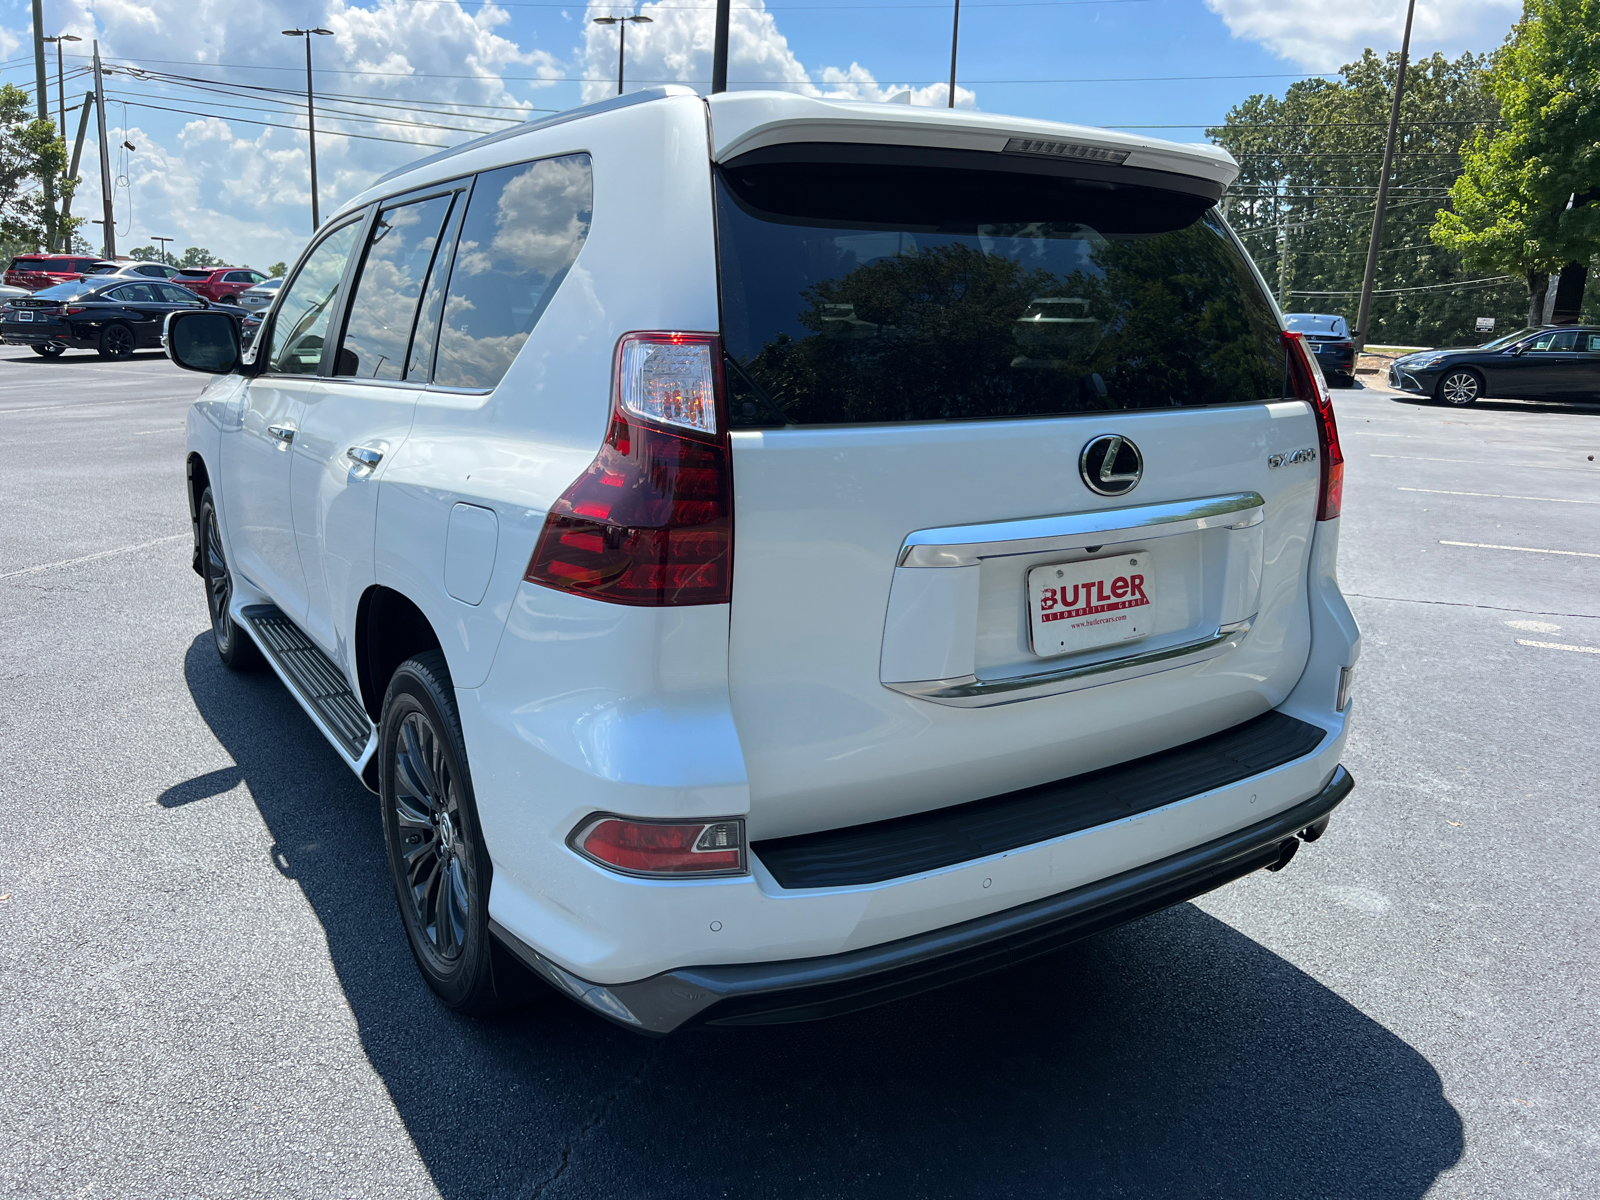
x,y
719,49
955,37
41,95
72,171
110,225
311,117
1284,230
1364,312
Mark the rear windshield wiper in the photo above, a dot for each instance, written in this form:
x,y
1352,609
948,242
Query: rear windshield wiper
x,y
749,415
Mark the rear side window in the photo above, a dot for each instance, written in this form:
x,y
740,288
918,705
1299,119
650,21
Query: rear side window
x,y
383,313
523,228
133,293
877,293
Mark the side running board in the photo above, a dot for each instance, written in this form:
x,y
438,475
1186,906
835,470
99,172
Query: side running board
x,y
315,679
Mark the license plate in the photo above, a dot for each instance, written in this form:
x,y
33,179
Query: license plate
x,y
24,315
1081,605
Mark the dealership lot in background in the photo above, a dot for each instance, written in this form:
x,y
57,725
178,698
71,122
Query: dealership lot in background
x,y
208,990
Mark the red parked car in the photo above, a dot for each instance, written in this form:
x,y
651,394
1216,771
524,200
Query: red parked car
x,y
35,271
221,284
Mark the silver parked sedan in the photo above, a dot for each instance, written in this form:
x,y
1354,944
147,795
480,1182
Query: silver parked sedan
x,y
259,298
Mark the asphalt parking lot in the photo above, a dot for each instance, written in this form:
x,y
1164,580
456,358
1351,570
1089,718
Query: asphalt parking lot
x,y
207,991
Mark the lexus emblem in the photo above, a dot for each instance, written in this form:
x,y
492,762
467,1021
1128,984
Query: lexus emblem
x,y
1111,465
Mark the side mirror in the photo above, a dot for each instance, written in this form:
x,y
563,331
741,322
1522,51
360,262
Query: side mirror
x,y
198,340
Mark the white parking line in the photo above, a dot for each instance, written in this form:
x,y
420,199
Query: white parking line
x,y
1496,496
1524,549
72,562
1559,646
1483,462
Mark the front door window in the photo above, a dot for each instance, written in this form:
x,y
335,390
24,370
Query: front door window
x,y
301,326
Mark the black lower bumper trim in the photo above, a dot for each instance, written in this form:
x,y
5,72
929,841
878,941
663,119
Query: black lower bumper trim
x,y
811,988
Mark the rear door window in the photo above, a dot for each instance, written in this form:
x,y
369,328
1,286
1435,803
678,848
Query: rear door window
x,y
523,228
860,292
383,312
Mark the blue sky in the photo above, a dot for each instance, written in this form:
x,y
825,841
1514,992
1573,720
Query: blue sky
x,y
222,176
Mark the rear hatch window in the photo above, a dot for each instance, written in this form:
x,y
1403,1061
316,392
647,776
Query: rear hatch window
x,y
862,292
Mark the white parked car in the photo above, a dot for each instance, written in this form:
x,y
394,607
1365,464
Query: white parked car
x,y
771,556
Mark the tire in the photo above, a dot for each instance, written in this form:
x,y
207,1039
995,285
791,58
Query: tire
x,y
234,646
49,349
437,857
116,341
229,300
1459,388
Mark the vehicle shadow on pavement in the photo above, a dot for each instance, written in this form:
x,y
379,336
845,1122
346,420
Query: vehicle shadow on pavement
x,y
1174,1057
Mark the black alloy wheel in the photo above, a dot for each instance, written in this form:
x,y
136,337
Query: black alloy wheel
x,y
116,341
234,646
437,857
49,349
1459,388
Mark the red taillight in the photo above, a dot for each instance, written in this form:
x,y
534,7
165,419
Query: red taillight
x,y
71,311
650,523
662,847
1309,385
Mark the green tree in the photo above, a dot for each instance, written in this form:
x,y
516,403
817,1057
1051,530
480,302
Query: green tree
x,y
199,256
151,254
1528,199
1310,162
29,151
278,269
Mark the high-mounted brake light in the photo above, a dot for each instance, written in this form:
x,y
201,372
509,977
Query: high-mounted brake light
x,y
669,848
1309,385
650,523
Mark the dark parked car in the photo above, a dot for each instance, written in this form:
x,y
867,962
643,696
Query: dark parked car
x,y
1560,363
35,271
1329,338
114,316
222,284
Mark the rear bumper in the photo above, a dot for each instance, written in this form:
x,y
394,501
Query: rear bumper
x,y
811,988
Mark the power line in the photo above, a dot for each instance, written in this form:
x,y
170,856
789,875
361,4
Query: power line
x,y
741,83
1485,282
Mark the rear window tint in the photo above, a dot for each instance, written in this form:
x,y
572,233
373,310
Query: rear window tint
x,y
863,293
522,231
384,310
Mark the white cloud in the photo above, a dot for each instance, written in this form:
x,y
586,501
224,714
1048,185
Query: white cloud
x,y
677,46
1321,38
208,176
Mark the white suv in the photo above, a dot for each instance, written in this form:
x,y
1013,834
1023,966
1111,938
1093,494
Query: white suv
x,y
771,556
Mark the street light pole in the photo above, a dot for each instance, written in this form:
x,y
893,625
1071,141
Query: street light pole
x,y
1364,311
61,100
61,78
622,44
311,117
955,38
163,240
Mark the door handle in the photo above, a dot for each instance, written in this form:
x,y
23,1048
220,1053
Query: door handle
x,y
284,434
364,456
